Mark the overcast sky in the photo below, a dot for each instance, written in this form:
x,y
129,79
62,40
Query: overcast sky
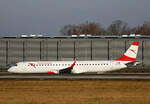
x,y
48,16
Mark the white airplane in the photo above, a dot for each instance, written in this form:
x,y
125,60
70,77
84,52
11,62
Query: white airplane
x,y
68,67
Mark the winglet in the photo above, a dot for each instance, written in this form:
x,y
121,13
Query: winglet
x,y
73,65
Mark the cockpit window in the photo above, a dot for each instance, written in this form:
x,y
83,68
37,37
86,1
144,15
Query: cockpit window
x,y
14,64
10,65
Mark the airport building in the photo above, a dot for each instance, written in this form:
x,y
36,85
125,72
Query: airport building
x,y
17,49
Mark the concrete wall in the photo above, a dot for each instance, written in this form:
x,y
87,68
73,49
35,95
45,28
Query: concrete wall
x,y
14,50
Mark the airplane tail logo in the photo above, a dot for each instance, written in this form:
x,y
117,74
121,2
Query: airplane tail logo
x,y
131,53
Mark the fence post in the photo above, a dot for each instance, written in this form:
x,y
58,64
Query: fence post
x,y
125,45
40,51
6,53
23,49
142,53
57,50
91,50
108,50
74,45
46,45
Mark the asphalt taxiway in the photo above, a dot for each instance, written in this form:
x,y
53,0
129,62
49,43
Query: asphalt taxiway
x,y
123,76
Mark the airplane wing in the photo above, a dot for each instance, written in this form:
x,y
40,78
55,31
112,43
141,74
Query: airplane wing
x,y
65,70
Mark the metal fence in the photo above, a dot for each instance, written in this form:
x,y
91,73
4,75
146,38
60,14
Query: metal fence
x,y
14,50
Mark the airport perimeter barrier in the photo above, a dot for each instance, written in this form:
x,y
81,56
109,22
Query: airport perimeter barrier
x,y
13,50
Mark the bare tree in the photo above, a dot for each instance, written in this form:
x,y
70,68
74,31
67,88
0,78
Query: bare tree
x,y
84,28
118,27
135,30
66,30
145,28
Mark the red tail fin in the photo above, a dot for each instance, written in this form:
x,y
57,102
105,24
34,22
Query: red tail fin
x,y
130,54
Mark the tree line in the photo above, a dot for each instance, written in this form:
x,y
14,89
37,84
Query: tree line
x,y
117,27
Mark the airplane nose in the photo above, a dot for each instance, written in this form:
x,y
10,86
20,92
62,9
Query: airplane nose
x,y
12,69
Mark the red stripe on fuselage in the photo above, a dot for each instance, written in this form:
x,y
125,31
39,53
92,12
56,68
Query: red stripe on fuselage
x,y
125,58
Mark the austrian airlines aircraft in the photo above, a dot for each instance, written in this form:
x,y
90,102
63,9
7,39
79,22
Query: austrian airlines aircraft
x,y
68,67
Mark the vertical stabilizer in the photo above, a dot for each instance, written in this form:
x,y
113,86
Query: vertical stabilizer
x,y
131,53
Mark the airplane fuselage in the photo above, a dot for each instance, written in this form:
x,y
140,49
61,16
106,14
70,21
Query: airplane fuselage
x,y
56,66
